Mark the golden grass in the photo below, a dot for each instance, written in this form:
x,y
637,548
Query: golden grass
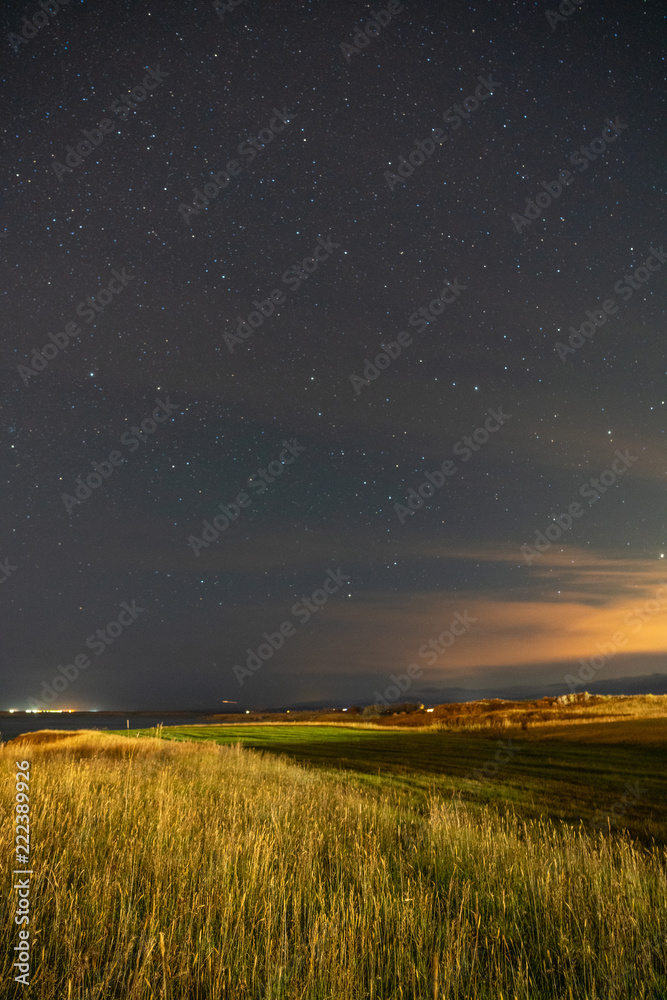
x,y
200,872
86,743
475,715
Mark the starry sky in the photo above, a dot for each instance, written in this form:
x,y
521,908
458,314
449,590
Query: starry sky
x,y
352,190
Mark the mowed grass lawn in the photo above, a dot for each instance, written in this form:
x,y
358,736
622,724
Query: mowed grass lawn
x,y
573,772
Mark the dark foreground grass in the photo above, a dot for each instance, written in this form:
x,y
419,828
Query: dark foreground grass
x,y
571,773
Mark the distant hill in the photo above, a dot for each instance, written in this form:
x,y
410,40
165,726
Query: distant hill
x,y
643,684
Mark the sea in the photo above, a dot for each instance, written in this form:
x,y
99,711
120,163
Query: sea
x,y
16,723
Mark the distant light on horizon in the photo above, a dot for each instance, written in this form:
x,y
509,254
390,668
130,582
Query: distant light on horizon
x,y
40,711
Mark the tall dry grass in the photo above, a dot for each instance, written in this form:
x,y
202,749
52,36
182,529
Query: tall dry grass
x,y
171,870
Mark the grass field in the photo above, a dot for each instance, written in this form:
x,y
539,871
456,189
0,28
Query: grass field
x,y
575,773
342,863
493,713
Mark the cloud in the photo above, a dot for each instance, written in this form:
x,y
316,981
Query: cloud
x,y
599,597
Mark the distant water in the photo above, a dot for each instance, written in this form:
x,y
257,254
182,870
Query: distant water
x,y
21,722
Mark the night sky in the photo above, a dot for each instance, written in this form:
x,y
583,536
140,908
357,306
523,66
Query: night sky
x,y
226,370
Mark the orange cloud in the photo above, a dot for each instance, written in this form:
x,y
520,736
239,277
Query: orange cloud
x,y
577,603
